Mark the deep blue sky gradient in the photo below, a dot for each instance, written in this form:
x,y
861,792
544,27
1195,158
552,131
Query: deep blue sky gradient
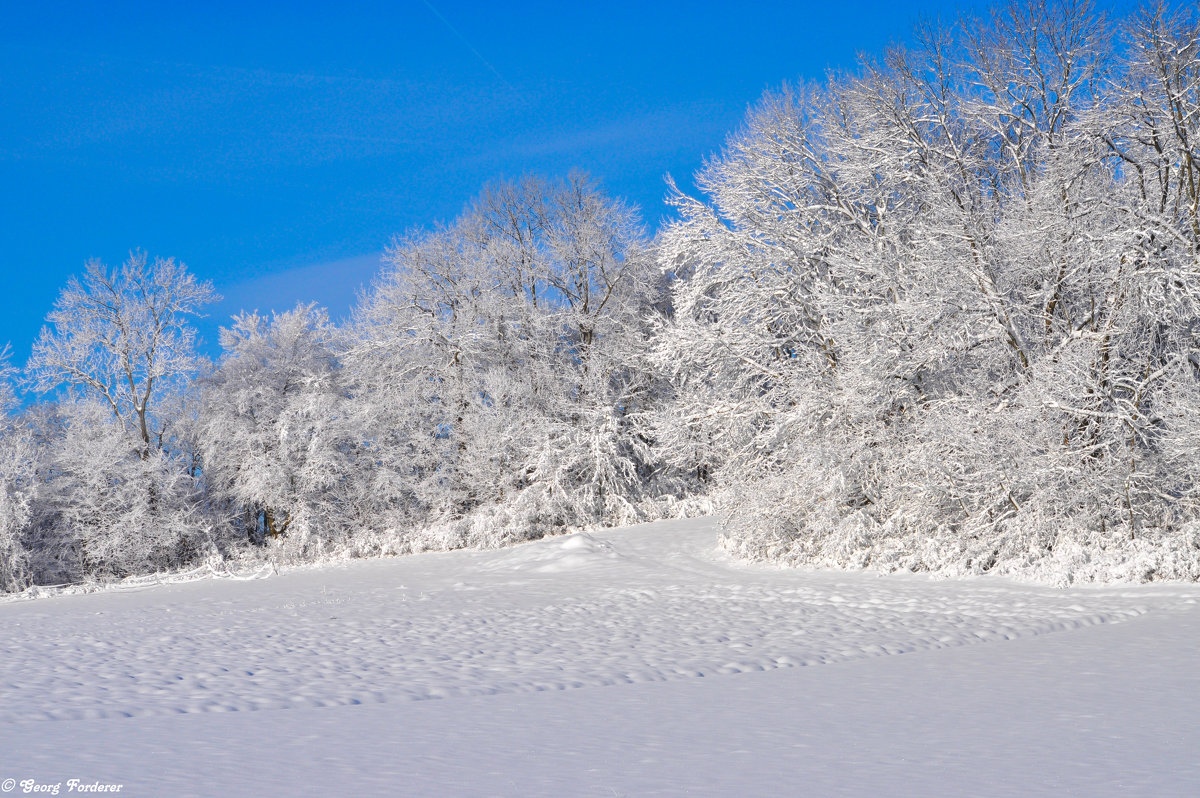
x,y
276,148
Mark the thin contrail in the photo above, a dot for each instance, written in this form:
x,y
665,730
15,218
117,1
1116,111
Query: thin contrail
x,y
478,54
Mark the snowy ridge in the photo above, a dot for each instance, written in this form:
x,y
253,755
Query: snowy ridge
x,y
652,603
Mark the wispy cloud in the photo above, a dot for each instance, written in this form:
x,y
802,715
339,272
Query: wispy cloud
x,y
657,129
332,284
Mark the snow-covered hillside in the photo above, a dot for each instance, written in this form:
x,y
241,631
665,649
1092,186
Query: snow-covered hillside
x,y
638,661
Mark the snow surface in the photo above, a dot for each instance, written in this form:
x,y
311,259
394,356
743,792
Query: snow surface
x,y
637,661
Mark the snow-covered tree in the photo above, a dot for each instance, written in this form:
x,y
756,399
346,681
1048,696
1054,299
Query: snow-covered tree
x,y
272,438
112,498
934,310
122,337
501,355
17,484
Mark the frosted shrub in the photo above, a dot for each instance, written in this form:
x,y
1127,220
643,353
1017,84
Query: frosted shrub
x,y
103,509
17,458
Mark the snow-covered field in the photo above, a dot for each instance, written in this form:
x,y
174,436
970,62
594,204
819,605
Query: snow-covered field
x,y
637,661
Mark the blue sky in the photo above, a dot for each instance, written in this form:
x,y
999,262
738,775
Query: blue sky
x,y
276,148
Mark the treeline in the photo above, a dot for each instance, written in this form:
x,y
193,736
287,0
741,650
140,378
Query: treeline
x,y
942,313
490,387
